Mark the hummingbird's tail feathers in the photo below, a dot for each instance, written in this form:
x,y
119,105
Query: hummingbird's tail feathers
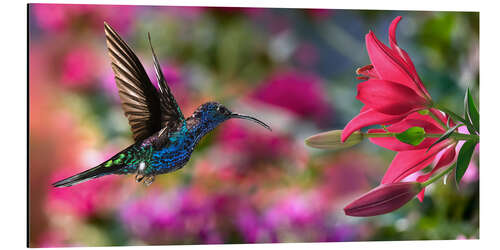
x,y
90,174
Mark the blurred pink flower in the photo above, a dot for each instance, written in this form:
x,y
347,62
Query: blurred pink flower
x,y
320,14
347,174
51,17
79,68
83,200
257,144
52,239
301,93
471,174
65,17
254,151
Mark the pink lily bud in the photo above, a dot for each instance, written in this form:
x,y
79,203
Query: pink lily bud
x,y
383,199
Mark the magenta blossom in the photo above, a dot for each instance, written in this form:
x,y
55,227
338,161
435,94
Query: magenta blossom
x,y
302,94
426,122
79,68
85,200
68,17
412,159
392,89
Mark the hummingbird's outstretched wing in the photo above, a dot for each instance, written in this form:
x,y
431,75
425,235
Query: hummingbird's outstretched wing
x,y
147,110
170,109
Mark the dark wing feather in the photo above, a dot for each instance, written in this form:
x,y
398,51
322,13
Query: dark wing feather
x,y
141,102
171,112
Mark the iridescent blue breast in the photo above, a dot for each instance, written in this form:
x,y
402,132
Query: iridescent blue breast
x,y
174,155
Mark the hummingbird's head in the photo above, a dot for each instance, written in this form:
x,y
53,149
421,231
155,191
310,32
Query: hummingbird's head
x,y
213,114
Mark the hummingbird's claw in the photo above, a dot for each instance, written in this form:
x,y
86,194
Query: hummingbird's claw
x,y
139,177
148,180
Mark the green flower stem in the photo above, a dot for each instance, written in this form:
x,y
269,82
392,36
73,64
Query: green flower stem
x,y
456,136
438,120
436,177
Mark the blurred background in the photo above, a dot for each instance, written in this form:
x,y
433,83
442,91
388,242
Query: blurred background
x,y
293,68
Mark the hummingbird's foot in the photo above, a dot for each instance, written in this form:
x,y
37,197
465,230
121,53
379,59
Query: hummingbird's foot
x,y
139,177
148,180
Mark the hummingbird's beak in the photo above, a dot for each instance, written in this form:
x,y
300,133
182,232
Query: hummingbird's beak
x,y
246,117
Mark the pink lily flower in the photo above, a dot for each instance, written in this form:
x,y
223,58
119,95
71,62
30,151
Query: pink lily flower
x,y
393,89
426,122
444,158
411,159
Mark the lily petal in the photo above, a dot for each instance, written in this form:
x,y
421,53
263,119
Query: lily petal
x,y
367,118
388,64
406,58
446,159
390,98
409,162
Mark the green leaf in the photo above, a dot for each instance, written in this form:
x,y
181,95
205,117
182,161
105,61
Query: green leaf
x,y
456,117
471,112
445,135
464,158
412,136
448,121
424,112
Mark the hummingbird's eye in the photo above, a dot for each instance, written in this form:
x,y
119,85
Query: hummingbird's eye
x,y
221,110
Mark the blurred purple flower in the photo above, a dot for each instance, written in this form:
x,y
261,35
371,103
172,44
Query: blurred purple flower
x,y
175,216
342,233
253,228
307,54
301,93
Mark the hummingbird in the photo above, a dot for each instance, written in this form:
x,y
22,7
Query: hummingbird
x,y
164,138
